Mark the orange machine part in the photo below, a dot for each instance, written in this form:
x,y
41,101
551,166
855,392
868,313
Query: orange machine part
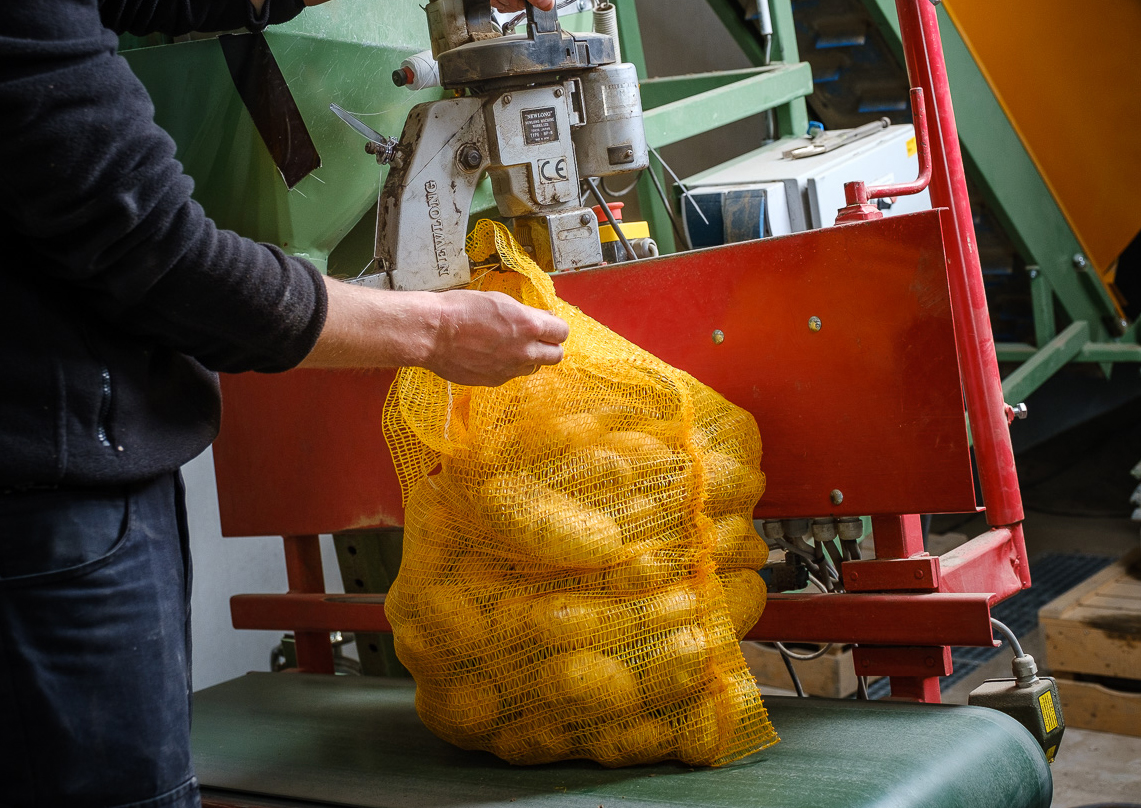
x,y
1068,78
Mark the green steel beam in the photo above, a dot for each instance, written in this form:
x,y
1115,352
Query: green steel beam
x,y
653,209
1091,352
1042,300
657,92
1007,177
1047,361
691,116
792,118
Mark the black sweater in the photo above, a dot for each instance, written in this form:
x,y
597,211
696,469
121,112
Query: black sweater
x,y
120,297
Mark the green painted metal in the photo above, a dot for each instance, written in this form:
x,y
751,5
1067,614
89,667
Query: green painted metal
x,y
1042,301
1098,352
1047,361
341,52
357,741
678,120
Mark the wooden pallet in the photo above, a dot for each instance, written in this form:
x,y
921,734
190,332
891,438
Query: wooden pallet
x,y
832,675
1093,637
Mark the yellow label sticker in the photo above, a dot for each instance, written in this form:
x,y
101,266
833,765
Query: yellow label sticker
x,y
911,148
1049,716
1051,753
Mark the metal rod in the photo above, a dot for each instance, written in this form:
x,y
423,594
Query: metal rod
x,y
923,147
919,30
597,194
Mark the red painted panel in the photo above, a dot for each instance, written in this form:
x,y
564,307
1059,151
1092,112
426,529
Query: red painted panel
x,y
920,573
870,404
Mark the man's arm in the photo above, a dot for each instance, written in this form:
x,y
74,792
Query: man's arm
x,y
476,338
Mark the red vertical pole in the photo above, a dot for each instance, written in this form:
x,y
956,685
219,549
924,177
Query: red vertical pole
x,y
305,574
978,363
902,537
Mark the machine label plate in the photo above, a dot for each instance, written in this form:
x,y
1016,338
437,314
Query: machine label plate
x,y
1049,715
540,126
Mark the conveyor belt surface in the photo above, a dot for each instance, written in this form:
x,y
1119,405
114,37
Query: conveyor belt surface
x,y
357,741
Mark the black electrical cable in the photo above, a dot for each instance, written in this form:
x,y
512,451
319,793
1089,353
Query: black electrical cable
x,y
678,229
630,254
862,687
792,674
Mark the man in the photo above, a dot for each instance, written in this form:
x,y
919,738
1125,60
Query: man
x,y
121,301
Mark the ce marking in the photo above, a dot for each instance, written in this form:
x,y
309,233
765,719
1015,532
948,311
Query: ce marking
x,y
553,170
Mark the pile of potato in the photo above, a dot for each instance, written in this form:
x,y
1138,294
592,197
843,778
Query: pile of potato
x,y
577,574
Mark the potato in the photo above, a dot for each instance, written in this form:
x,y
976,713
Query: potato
x,y
738,544
672,609
566,620
699,737
729,485
452,620
593,475
506,502
587,683
531,738
682,665
459,710
565,533
745,597
642,739
642,572
638,516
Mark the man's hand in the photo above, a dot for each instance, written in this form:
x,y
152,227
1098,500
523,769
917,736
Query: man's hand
x,y
473,338
519,5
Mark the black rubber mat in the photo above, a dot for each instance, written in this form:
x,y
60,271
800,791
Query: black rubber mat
x,y
1052,575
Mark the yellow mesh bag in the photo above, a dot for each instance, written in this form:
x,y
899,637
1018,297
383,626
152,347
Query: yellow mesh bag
x,y
579,555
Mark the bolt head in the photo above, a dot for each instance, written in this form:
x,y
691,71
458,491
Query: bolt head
x,y
718,337
837,496
814,324
1080,261
919,574
585,219
471,158
558,92
506,100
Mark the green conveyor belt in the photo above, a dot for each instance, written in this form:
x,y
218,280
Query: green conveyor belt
x,y
357,741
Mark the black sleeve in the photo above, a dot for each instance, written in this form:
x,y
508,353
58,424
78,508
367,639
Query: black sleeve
x,y
177,17
90,182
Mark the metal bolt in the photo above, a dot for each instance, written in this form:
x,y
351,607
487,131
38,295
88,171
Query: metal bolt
x,y
837,496
585,219
470,157
918,574
506,100
718,336
855,576
1033,274
814,324
1080,262
1020,411
558,92
929,662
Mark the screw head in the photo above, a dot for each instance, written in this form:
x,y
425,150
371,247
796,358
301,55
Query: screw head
x,y
470,157
837,496
814,324
558,92
718,336
1033,274
918,574
585,219
506,100
1080,261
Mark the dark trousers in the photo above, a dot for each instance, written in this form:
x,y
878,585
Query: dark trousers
x,y
95,648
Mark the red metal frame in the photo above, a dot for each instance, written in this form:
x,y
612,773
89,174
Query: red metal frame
x,y
906,608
